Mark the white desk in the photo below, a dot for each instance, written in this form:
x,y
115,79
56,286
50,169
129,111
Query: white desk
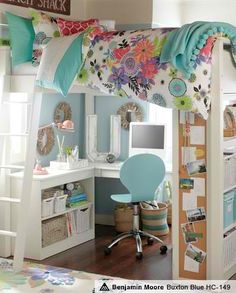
x,y
107,170
86,175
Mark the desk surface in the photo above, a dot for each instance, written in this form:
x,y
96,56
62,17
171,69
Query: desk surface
x,y
101,169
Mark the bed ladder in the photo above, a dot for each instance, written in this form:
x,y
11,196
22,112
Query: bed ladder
x,y
25,192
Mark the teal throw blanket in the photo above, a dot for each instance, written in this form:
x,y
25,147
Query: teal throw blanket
x,y
184,44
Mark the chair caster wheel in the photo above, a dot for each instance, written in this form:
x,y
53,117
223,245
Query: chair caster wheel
x,y
150,241
163,249
107,251
139,255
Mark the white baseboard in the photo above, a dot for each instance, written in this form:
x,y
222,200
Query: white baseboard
x,y
104,219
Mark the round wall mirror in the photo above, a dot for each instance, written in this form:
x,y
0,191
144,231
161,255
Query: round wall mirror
x,y
46,140
130,112
62,112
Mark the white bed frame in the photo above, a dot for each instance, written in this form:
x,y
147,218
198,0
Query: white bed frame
x,y
223,88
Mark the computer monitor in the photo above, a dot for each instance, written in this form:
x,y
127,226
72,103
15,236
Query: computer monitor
x,y
147,137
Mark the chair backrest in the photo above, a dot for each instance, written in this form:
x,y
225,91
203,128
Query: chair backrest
x,y
142,174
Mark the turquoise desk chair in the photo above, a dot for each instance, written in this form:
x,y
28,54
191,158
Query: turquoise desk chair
x,y
141,175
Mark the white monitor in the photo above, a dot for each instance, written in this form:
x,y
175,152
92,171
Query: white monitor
x,y
145,137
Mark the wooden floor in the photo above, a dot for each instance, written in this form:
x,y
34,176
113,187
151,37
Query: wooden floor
x,y
121,263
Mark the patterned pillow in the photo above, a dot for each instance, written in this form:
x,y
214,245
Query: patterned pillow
x,y
69,27
45,28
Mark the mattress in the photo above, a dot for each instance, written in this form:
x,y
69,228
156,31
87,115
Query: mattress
x,y
25,69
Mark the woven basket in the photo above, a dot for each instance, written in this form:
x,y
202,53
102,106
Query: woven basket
x,y
123,217
54,230
155,221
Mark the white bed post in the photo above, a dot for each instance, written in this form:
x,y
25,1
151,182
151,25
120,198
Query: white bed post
x,y
175,196
215,180
27,182
5,208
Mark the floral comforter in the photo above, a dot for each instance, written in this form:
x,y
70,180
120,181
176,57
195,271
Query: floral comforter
x,y
128,64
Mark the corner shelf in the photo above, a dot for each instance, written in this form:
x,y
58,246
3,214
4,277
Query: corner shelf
x,y
34,247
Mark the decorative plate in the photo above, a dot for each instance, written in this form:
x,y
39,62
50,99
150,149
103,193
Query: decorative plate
x,y
46,140
130,112
62,112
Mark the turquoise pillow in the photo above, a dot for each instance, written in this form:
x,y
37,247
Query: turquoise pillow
x,y
22,37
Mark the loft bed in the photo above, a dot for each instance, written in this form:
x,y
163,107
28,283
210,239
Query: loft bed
x,y
223,89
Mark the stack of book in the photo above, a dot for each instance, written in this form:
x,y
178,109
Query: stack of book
x,y
76,199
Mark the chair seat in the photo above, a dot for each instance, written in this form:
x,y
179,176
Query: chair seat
x,y
124,198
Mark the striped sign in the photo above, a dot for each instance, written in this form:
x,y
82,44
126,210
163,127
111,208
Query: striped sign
x,y
55,6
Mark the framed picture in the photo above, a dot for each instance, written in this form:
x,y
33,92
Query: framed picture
x,y
188,231
195,253
196,215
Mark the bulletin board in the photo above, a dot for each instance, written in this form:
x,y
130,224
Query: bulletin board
x,y
192,196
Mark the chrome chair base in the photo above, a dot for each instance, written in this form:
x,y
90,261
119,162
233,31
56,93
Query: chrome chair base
x,y
136,234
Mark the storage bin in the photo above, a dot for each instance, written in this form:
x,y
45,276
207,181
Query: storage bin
x,y
233,170
52,192
229,251
60,203
229,178
84,218
47,207
155,221
54,230
228,209
123,218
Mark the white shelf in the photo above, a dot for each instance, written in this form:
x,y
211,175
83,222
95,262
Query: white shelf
x,y
34,249
229,188
229,228
229,138
228,273
67,210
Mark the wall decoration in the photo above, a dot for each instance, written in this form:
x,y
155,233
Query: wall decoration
x,y
92,138
229,118
229,121
46,140
130,112
62,113
56,6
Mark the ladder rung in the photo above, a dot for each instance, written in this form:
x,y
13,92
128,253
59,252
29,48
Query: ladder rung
x,y
8,233
13,134
16,102
12,167
9,199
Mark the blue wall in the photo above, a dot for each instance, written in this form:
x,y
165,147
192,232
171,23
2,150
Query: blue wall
x,y
104,107
49,103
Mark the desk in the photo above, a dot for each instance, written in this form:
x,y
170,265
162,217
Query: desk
x,y
107,170
54,178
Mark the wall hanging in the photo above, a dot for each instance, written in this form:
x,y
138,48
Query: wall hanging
x,y
130,112
46,140
115,129
229,121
